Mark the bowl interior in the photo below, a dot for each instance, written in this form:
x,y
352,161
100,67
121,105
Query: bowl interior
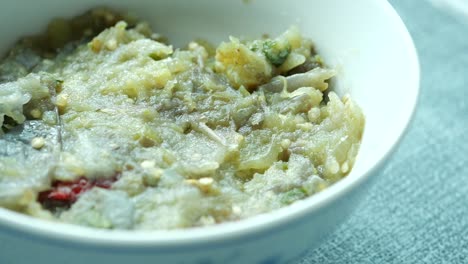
x,y
364,40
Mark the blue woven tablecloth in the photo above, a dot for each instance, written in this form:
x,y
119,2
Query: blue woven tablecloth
x,y
417,210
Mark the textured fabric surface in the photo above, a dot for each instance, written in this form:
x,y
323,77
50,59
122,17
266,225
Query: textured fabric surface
x,y
417,209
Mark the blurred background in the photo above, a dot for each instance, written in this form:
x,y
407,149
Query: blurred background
x,y
417,209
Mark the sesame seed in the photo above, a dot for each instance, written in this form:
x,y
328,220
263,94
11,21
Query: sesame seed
x,y
36,113
236,210
38,142
111,44
206,181
147,164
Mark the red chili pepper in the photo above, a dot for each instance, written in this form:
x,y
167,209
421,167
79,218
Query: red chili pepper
x,y
64,194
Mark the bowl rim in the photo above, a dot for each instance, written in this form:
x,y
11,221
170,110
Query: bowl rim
x,y
17,224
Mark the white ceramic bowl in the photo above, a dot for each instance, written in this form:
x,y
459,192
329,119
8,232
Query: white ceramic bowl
x,y
377,62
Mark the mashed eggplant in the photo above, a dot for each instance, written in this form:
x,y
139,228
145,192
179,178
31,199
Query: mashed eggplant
x,y
110,127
